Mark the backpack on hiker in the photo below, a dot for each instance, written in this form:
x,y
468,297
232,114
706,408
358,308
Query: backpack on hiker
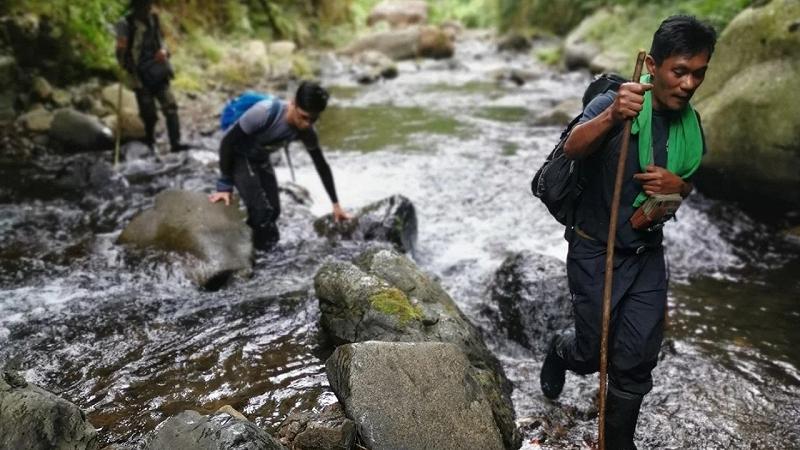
x,y
558,183
236,107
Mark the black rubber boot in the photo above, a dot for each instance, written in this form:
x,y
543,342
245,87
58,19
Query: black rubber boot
x,y
551,379
622,413
266,236
174,132
150,135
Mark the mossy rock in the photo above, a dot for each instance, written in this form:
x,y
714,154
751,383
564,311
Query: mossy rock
x,y
752,126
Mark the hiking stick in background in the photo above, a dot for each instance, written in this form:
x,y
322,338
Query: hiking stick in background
x,y
119,123
612,235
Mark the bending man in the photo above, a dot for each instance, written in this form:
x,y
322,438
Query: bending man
x,y
244,158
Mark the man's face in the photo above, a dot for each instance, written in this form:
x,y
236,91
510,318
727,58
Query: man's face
x,y
300,118
676,79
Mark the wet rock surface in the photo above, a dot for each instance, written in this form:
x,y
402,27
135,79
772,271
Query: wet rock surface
x,y
413,396
329,429
187,222
32,418
392,220
79,132
385,297
191,430
532,296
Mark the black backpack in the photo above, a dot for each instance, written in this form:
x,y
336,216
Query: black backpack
x,y
558,183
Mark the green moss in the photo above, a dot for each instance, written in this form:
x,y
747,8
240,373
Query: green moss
x,y
550,55
394,302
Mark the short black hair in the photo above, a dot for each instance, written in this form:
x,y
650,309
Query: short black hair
x,y
311,97
682,35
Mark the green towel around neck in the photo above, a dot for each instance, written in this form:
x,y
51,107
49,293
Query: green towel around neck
x,y
685,141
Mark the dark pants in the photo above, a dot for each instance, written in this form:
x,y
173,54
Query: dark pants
x,y
146,100
258,187
638,305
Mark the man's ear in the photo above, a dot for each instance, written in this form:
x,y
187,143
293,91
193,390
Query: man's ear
x,y
651,65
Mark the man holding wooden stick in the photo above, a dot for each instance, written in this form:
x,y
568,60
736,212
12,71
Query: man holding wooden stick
x,y
666,146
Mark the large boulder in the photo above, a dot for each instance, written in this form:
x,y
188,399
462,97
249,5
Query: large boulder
x,y
214,235
413,396
407,43
370,66
330,429
752,127
32,419
392,219
399,13
531,294
79,132
190,430
561,114
384,296
132,126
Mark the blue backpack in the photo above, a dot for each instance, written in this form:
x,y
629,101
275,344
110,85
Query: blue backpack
x,y
234,109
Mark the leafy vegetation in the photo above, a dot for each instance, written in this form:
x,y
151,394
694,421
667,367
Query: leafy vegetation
x,y
202,32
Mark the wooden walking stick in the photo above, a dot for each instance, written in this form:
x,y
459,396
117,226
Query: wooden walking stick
x,y
612,235
119,124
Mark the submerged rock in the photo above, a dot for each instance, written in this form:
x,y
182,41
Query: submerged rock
x,y
384,296
392,219
186,222
329,429
32,418
531,293
561,114
413,396
190,430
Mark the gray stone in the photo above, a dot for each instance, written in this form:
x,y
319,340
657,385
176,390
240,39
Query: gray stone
x,y
391,220
384,296
531,293
514,42
407,43
190,430
399,13
329,429
79,132
561,114
215,235
413,396
32,419
41,89
39,120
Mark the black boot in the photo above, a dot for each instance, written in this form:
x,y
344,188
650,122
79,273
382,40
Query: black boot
x,y
150,136
266,236
174,132
551,379
622,413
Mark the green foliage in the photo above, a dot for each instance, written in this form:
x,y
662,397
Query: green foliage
x,y
471,13
557,16
87,26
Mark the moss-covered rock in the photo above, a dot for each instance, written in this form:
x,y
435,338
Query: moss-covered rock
x,y
750,114
385,296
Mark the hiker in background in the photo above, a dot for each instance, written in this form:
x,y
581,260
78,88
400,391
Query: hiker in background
x,y
663,120
244,157
141,51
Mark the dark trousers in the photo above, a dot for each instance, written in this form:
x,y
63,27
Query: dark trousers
x,y
258,187
638,305
146,100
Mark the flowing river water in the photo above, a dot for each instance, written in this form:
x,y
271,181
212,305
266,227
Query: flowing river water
x,y
127,337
